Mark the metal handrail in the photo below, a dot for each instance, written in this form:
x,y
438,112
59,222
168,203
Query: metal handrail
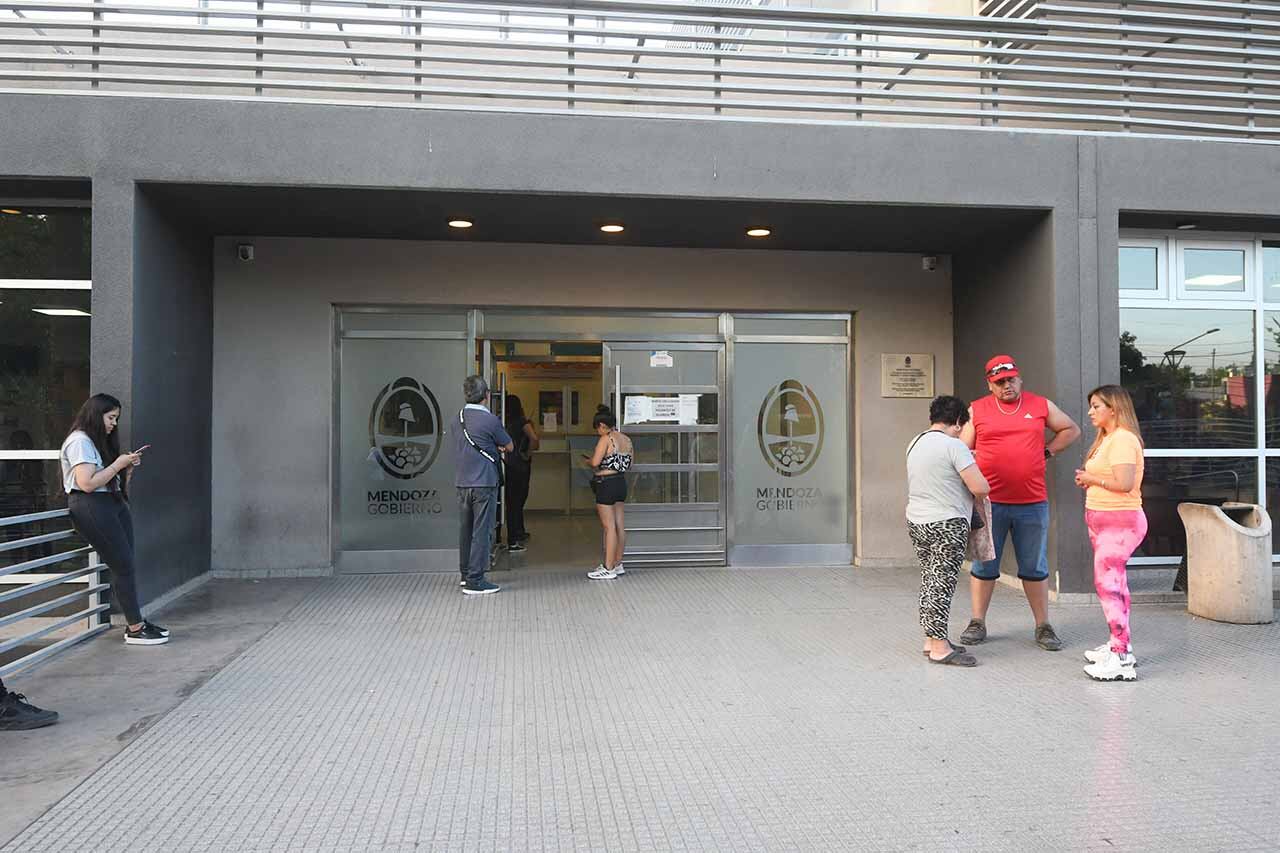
x,y
86,578
1168,67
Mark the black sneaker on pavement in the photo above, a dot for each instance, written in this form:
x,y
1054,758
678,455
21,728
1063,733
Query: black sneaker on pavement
x,y
975,633
482,588
147,635
1047,639
17,714
517,547
159,629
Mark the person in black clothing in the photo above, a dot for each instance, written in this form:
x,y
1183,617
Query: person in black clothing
x,y
17,714
519,469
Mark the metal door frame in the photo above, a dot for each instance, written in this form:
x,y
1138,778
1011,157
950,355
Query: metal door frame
x,y
610,375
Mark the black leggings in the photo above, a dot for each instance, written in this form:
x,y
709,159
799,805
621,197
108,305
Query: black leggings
x,y
103,519
517,494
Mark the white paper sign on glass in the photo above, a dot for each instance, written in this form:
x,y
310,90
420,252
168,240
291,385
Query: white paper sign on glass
x,y
661,358
638,410
549,422
665,409
688,409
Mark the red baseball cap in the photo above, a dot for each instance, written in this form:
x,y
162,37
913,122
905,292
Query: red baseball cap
x,y
1001,365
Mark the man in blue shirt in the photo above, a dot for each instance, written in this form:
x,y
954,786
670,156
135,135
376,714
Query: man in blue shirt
x,y
478,443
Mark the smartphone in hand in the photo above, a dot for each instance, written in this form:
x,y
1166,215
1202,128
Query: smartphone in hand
x,y
142,448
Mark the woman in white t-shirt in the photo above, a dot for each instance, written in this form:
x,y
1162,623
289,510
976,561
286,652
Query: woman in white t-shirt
x,y
942,481
97,495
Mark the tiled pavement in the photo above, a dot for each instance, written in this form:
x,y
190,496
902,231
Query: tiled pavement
x,y
693,710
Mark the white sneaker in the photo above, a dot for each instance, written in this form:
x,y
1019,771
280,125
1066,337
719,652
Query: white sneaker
x,y
602,574
619,570
1099,654
1111,668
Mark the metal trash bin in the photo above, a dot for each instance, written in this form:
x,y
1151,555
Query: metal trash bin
x,y
1229,575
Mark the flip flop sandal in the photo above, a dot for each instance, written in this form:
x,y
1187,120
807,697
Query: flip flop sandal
x,y
954,646
957,659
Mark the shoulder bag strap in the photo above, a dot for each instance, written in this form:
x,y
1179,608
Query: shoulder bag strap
x,y
471,440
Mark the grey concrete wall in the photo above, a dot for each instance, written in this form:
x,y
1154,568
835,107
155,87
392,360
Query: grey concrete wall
x,y
172,377
1006,296
273,364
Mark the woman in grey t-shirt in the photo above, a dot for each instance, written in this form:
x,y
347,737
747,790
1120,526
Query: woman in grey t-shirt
x,y
97,496
942,481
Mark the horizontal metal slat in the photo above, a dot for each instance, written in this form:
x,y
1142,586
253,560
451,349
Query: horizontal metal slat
x,y
17,544
52,604
45,561
711,103
32,517
49,629
10,595
50,651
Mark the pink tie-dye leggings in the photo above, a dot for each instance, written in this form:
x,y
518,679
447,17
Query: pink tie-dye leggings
x,y
1114,534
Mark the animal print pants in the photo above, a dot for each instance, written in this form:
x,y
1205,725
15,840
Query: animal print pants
x,y
940,547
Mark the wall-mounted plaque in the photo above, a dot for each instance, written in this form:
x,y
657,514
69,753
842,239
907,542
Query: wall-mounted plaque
x,y
906,375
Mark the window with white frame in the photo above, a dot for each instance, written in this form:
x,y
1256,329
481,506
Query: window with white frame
x,y
1198,314
44,347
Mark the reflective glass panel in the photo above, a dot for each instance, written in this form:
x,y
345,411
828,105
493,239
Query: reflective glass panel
x,y
1271,375
1273,501
44,243
1166,482
1190,374
673,487
665,368
44,365
1138,268
30,485
791,442
399,407
1213,270
1271,272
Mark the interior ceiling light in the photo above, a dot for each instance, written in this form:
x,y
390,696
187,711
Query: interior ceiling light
x,y
1214,280
460,223
61,312
11,211
758,232
1186,225
612,228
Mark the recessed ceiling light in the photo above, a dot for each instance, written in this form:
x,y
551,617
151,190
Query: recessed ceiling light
x,y
758,232
460,223
61,312
11,211
1186,225
612,228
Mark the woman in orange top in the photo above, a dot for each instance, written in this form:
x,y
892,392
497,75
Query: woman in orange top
x,y
1112,480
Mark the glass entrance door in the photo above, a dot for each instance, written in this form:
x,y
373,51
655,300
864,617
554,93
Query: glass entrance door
x,y
669,399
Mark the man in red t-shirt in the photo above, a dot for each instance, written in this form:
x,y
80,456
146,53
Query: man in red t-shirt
x,y
1006,432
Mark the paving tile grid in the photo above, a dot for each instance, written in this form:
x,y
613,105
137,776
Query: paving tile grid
x,y
694,710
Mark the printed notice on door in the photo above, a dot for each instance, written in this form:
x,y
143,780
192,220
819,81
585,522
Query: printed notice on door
x,y
906,375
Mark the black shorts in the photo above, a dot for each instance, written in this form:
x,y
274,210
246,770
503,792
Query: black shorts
x,y
610,489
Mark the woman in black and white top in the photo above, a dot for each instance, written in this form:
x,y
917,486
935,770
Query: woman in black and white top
x,y
942,481
97,495
609,465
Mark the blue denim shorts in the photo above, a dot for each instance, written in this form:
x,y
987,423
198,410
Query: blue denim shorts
x,y
1028,524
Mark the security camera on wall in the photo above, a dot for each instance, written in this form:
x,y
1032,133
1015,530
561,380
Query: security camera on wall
x,y
244,251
